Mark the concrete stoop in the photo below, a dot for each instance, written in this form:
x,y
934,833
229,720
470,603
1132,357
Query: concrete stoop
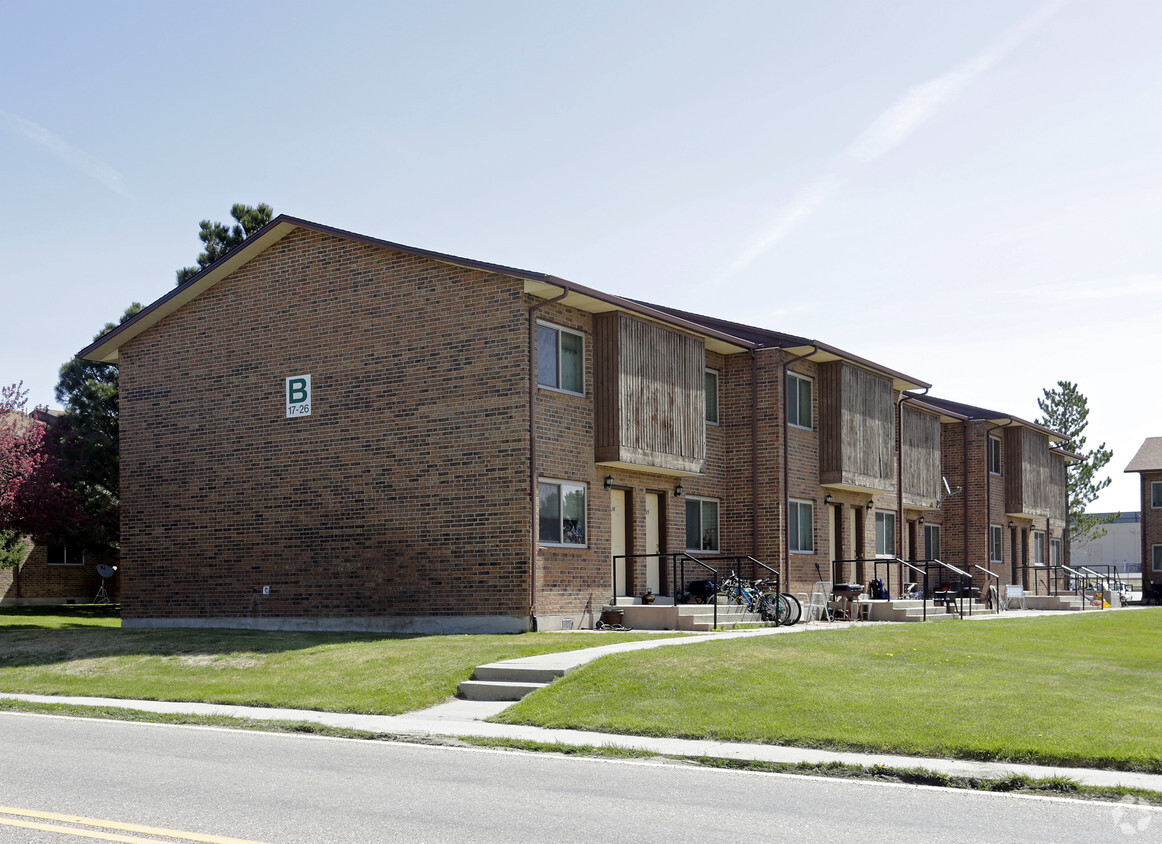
x,y
1055,602
900,609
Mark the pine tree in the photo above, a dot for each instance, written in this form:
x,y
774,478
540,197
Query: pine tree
x,y
220,238
1066,410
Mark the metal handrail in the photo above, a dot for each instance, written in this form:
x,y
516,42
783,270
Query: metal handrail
x,y
685,555
960,586
997,606
613,563
888,588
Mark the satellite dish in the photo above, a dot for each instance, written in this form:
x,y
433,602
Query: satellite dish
x,y
105,570
947,488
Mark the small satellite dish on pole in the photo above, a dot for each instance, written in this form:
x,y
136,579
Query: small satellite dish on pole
x,y
106,571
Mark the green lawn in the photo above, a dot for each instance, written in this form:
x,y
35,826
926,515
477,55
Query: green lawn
x,y
1084,690
83,651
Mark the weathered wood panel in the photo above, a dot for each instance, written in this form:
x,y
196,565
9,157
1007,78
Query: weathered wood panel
x,y
1030,486
857,427
650,395
920,458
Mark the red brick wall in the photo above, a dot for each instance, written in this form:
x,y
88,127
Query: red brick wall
x,y
1151,529
405,491
39,582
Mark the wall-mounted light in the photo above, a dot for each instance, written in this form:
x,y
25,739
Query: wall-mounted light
x,y
1012,524
609,481
827,499
678,490
921,520
870,506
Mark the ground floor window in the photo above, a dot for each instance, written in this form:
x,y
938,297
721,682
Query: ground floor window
x,y
801,526
996,544
701,524
65,554
885,534
932,541
1158,558
1039,547
562,519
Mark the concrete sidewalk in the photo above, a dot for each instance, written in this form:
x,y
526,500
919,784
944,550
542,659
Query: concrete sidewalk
x,y
464,718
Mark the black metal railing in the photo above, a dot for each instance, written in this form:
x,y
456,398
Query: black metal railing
x,y
887,564
678,576
997,587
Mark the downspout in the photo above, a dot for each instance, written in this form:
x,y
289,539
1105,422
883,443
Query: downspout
x,y
784,579
988,497
533,451
904,397
754,454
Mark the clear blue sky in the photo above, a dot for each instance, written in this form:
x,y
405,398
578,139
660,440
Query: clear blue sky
x,y
968,192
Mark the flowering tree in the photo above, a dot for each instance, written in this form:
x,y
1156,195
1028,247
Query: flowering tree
x,y
33,499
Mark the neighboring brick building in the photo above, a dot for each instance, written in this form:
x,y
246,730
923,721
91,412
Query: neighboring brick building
x,y
329,430
1148,464
56,573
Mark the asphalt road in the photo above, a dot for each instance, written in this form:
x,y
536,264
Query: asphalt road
x,y
287,788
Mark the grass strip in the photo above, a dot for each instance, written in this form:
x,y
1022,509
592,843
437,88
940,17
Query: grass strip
x,y
1080,690
1013,783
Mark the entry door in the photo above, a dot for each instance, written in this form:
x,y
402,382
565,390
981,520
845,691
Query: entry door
x,y
653,542
617,513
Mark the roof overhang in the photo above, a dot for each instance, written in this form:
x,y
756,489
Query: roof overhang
x,y
823,353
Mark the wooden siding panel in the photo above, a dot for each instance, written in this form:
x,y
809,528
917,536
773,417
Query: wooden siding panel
x,y
921,458
1030,487
651,399
857,427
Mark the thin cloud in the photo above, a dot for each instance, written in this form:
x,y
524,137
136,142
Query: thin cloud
x,y
75,157
889,130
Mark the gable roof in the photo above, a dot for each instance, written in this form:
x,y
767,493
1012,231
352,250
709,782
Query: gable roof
x,y
106,348
1148,458
968,411
815,350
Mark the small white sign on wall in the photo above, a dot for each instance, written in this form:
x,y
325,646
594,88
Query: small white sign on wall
x,y
298,396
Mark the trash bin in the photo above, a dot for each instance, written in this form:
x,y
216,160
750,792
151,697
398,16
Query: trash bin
x,y
612,617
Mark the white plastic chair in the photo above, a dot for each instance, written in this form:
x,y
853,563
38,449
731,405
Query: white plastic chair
x,y
1013,592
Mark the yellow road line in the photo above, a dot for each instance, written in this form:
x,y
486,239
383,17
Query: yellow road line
x,y
107,836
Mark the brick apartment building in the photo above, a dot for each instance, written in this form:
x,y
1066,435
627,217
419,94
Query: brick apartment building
x,y
1148,464
326,430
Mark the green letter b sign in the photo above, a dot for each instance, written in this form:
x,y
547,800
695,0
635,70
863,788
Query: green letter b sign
x,y
298,396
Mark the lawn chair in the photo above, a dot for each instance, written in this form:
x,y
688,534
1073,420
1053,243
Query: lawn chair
x,y
1013,592
817,609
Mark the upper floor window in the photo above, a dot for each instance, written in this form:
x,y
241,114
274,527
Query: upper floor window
x,y
996,544
995,455
885,533
1156,494
562,514
560,358
799,390
711,396
801,526
701,524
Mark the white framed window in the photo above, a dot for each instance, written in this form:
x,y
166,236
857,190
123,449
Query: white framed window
x,y
995,465
701,524
560,358
1054,552
885,533
801,526
562,514
711,397
932,541
1155,494
65,554
996,544
1038,547
1157,562
799,392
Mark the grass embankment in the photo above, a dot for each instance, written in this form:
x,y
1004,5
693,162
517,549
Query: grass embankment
x,y
84,651
1078,690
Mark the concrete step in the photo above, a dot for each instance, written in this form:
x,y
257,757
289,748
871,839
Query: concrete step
x,y
500,672
497,689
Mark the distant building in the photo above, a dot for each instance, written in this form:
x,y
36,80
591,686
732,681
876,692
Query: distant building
x,y
1120,547
1148,464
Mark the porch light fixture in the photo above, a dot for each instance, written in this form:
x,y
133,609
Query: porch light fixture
x,y
1012,524
827,499
870,506
921,520
678,490
609,481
